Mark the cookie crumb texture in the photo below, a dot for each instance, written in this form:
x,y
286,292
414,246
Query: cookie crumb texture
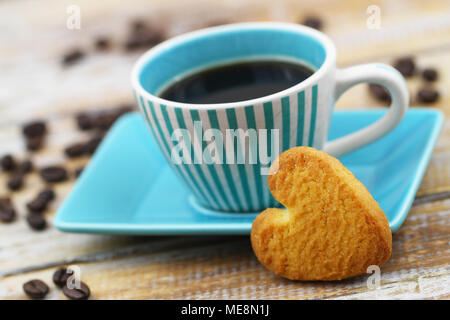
x,y
332,228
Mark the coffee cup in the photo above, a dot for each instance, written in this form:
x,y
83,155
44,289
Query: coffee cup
x,y
222,151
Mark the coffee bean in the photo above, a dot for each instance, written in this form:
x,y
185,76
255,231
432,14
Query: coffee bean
x,y
427,95
81,293
8,163
143,39
313,22
47,194
36,289
25,167
101,120
92,144
7,215
406,66
102,43
430,74
34,129
5,202
380,92
152,38
78,171
72,57
7,212
75,150
84,121
40,203
15,182
34,143
37,205
54,174
138,25
133,43
60,277
104,121
36,221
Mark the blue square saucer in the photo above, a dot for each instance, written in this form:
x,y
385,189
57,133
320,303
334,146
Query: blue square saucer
x,y
128,188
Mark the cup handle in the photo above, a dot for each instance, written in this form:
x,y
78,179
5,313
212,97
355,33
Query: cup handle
x,y
376,73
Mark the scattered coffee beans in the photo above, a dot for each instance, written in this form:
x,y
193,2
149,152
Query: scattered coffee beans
x,y
25,167
60,277
15,182
36,221
132,43
72,57
47,194
313,22
93,143
34,143
36,289
8,163
84,121
380,93
5,202
7,215
34,129
81,293
54,174
152,38
102,43
143,36
34,133
430,74
427,95
137,25
75,150
7,212
104,121
100,120
40,203
406,66
37,205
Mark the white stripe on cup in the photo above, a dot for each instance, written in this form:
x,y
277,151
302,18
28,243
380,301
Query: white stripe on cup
x,y
223,122
218,168
242,123
197,145
160,142
203,189
307,120
261,124
293,103
166,136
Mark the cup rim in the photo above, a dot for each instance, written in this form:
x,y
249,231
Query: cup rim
x,y
330,58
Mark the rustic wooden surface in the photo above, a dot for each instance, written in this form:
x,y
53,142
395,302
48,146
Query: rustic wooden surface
x,y
33,85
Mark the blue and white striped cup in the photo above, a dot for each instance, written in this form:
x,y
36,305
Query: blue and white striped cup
x,y
297,116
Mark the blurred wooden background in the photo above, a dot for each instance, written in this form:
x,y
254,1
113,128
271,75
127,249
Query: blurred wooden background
x,y
33,84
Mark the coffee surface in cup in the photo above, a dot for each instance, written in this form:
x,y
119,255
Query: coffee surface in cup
x,y
238,81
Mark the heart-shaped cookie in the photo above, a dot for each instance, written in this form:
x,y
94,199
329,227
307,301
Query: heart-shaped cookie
x,y
332,228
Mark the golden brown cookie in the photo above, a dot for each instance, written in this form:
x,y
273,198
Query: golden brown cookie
x,y
332,228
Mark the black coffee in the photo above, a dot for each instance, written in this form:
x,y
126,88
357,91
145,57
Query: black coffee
x,y
236,82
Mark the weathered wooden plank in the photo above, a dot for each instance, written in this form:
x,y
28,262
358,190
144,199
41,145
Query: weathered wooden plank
x,y
226,268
